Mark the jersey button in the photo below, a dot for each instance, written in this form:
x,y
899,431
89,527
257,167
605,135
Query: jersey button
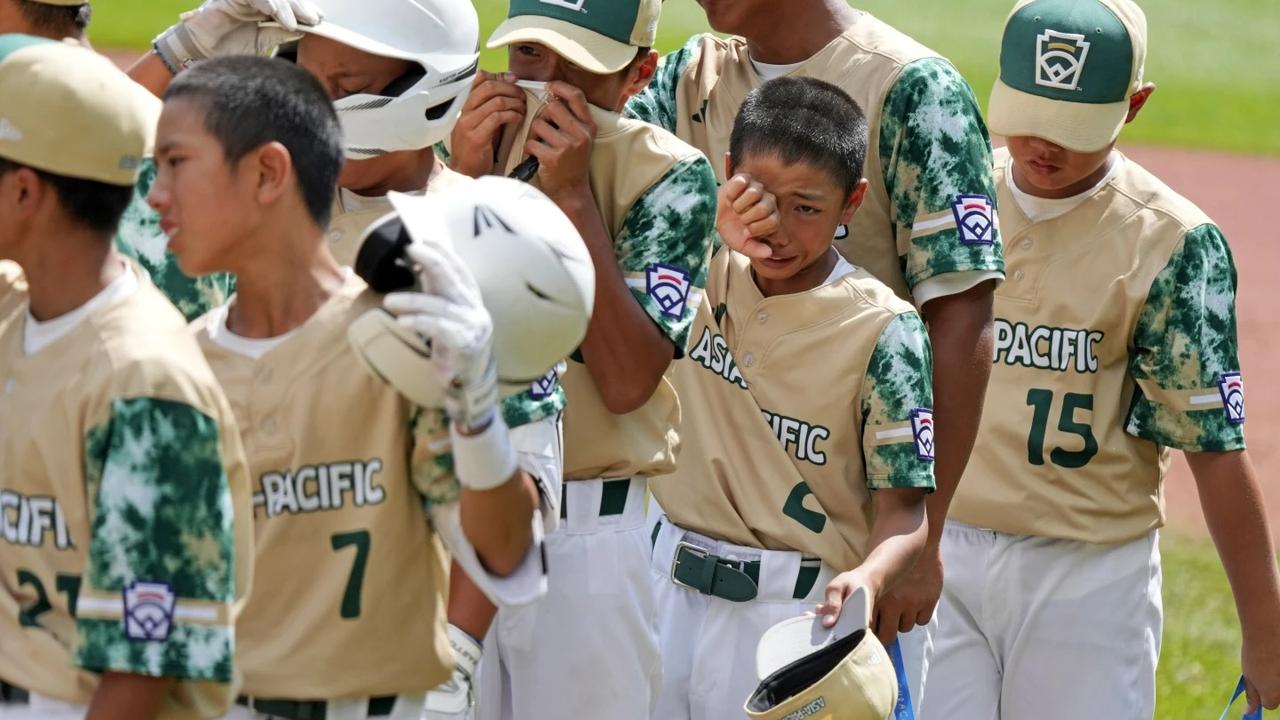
x,y
269,425
1017,274
748,360
1026,243
264,377
763,317
335,235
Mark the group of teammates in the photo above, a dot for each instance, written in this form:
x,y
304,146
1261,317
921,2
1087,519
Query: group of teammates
x,y
1116,319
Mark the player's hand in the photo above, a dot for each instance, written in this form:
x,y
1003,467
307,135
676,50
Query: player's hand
x,y
453,700
746,212
1260,658
839,590
231,27
495,102
562,138
912,600
449,313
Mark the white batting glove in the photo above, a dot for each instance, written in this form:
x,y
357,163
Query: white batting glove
x,y
454,699
231,27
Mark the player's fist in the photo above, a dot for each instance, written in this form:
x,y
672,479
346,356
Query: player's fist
x,y
746,212
912,600
1260,658
494,103
562,138
449,314
232,27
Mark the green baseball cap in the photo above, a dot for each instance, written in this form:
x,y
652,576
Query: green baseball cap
x,y
1067,70
601,36
70,111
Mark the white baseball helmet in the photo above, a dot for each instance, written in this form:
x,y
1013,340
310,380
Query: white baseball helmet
x,y
533,269
419,109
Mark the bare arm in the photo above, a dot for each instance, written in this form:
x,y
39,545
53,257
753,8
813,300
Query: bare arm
x,y
897,537
1234,510
497,522
150,72
125,696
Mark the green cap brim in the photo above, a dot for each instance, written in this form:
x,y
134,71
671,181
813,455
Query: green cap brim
x,y
1080,127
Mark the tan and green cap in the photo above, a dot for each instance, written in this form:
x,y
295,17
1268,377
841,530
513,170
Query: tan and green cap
x,y
69,111
1067,70
600,36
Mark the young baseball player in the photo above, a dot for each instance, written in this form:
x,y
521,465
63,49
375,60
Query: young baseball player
x,y
1115,342
124,500
927,228
139,237
802,472
398,72
644,203
249,153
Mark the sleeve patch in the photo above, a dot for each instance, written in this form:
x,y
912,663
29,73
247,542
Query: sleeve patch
x,y
1231,387
975,219
148,611
669,287
922,430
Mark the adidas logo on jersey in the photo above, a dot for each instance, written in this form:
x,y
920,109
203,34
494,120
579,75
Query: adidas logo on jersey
x,y
316,488
33,521
1047,348
712,353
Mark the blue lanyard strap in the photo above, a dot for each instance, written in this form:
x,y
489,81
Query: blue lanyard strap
x,y
903,711
1255,715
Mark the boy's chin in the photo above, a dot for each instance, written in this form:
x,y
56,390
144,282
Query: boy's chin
x,y
777,270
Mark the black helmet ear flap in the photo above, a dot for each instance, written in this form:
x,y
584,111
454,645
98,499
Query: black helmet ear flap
x,y
381,261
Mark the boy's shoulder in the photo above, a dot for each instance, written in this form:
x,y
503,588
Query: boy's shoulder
x,y
629,141
1147,191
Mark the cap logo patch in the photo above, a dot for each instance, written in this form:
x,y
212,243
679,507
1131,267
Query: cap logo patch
x,y
975,219
669,287
148,610
922,429
1060,59
1231,386
8,131
575,5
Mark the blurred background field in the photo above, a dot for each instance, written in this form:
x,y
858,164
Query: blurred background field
x,y
1217,65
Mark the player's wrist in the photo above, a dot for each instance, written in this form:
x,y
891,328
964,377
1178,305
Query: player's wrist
x,y
484,460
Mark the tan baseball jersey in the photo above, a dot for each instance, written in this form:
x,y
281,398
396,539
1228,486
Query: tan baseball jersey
x,y
124,507
784,441
929,210
1115,340
350,592
657,198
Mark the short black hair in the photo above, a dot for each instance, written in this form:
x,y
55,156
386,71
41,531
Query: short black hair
x,y
803,120
251,101
57,20
95,205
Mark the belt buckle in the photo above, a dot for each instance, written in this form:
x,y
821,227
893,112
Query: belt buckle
x,y
675,560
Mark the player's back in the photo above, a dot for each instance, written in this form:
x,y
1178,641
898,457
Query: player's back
x,y
120,452
1085,306
348,600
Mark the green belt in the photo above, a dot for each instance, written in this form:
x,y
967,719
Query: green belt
x,y
613,497
311,709
13,694
733,580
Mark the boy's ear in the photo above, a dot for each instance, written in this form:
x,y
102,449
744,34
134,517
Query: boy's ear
x,y
854,202
728,165
1138,100
639,73
273,170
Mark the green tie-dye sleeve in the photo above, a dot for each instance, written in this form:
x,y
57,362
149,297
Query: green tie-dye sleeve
x,y
162,516
897,387
1185,343
665,244
936,157
139,237
656,104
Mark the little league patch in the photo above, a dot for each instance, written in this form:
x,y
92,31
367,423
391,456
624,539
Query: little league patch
x,y
148,610
1231,386
922,430
669,287
975,219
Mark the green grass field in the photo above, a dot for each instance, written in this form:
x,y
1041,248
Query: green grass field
x,y
1217,89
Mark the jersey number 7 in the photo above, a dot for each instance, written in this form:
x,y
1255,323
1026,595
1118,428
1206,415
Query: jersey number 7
x,y
1042,401
355,582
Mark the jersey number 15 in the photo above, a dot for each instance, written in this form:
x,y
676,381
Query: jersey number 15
x,y
1042,401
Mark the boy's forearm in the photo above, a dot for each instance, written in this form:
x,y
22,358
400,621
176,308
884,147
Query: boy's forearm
x,y
897,537
469,609
150,72
960,335
498,522
125,696
1235,513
